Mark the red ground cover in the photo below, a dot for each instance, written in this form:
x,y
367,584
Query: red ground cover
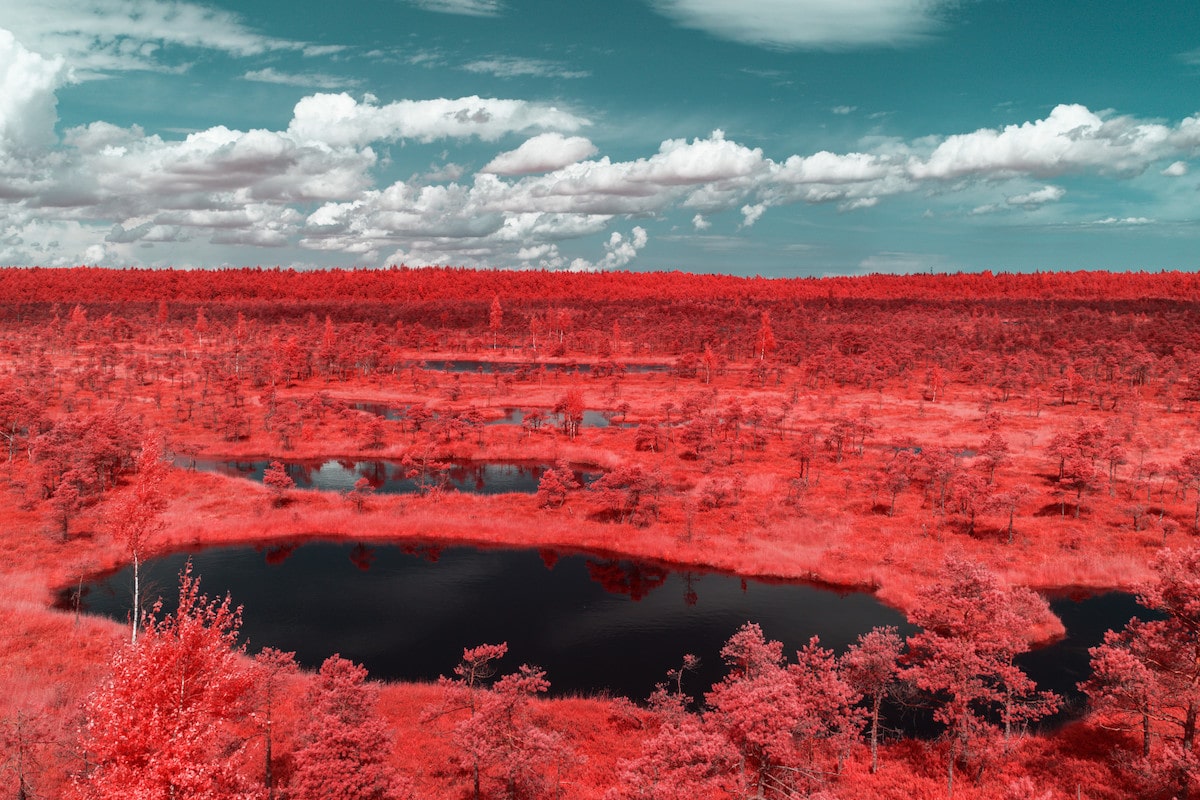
x,y
1039,424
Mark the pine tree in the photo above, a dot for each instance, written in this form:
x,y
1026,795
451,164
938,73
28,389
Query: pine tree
x,y
344,742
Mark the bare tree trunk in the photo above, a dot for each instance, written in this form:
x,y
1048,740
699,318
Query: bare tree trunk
x,y
137,598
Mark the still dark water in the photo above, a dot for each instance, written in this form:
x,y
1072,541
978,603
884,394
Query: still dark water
x,y
512,416
593,623
509,367
391,477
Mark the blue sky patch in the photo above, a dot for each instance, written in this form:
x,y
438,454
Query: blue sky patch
x,y
773,137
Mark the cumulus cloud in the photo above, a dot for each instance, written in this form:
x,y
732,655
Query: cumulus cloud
x,y
100,36
1047,194
443,173
314,184
28,105
1176,169
542,153
618,251
809,24
752,213
1071,139
341,121
724,170
125,167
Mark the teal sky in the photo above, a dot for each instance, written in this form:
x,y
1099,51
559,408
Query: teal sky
x,y
777,137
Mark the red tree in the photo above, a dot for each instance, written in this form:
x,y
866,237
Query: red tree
x,y
765,709
167,722
343,741
872,667
684,759
973,628
630,494
554,486
495,319
465,693
136,517
765,340
1150,671
504,738
277,480
274,669
570,407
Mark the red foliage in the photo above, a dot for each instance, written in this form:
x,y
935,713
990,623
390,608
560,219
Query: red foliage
x,y
136,517
783,720
872,667
343,742
1149,673
498,737
167,722
277,479
973,628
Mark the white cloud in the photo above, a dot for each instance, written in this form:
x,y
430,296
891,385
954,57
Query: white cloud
x,y
1071,139
469,8
1047,194
809,24
510,67
859,203
1176,169
443,173
27,100
643,186
1124,221
542,153
751,214
314,184
127,169
318,80
341,121
97,36
843,110
618,251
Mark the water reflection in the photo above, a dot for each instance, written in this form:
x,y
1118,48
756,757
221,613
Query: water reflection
x,y
594,623
389,476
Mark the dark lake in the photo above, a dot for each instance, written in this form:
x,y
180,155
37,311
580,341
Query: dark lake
x,y
591,419
512,416
391,476
594,623
510,367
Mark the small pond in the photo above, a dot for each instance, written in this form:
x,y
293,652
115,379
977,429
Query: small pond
x,y
512,416
594,623
509,367
391,476
591,419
